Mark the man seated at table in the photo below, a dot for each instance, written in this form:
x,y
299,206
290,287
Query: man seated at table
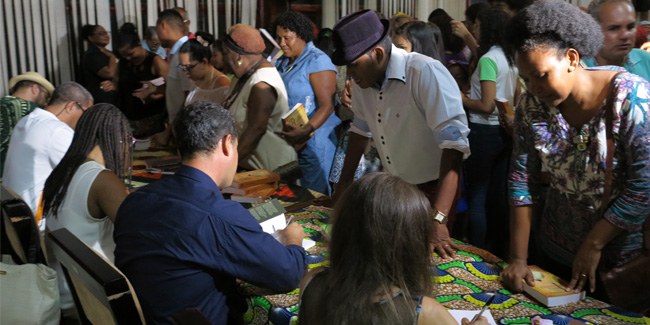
x,y
181,244
40,140
27,91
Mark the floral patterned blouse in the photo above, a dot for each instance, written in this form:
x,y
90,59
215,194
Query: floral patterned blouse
x,y
575,160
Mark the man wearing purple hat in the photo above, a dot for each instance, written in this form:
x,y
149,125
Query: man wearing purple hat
x,y
410,105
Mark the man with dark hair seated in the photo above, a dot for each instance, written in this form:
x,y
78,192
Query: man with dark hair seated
x,y
182,245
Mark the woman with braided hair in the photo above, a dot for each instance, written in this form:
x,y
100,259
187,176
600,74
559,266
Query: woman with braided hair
x,y
86,188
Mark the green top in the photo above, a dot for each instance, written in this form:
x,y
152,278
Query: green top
x,y
12,109
488,69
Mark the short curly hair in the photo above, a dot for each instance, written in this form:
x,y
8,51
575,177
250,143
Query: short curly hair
x,y
297,23
554,24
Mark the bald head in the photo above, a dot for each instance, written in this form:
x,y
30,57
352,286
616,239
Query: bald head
x,y
596,6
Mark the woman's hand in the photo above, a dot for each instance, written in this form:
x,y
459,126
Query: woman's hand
x,y
459,29
506,121
145,91
107,52
345,96
588,256
107,85
584,267
513,275
296,136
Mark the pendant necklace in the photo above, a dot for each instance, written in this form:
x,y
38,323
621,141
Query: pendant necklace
x,y
581,140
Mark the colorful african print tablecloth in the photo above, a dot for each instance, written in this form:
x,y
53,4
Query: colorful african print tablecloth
x,y
464,282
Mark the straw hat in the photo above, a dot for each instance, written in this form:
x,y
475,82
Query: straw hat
x,y
32,76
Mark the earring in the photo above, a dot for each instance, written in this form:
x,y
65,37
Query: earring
x,y
238,63
571,68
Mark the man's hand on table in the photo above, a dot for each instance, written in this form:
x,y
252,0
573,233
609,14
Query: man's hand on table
x,y
292,234
513,275
441,242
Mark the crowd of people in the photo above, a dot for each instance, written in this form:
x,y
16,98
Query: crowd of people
x,y
420,95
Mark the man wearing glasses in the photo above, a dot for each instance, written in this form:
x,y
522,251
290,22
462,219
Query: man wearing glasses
x,y
40,140
26,92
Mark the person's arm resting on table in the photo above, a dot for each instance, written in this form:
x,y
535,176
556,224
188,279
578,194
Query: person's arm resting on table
x,y
436,94
522,186
630,208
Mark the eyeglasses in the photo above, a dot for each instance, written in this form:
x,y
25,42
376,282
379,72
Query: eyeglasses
x,y
102,33
80,107
187,67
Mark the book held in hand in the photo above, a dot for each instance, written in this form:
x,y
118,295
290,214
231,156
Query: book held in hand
x,y
504,107
550,290
270,215
296,116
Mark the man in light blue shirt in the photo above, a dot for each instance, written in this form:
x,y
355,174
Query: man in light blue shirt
x,y
617,20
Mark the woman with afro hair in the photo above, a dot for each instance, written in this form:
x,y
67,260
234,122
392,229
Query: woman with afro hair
x,y
560,127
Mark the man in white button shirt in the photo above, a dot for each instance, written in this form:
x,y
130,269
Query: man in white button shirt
x,y
411,107
40,140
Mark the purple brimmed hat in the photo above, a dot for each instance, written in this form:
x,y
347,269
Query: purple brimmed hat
x,y
355,34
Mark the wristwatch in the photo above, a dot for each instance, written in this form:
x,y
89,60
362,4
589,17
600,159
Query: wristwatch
x,y
440,217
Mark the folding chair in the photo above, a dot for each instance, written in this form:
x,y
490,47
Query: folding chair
x,y
102,294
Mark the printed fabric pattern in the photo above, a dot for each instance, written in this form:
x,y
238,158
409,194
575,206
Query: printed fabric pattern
x,y
545,141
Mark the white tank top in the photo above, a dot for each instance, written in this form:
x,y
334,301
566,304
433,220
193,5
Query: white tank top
x,y
73,214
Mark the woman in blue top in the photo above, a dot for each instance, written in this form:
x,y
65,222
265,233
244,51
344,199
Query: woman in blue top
x,y
310,78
